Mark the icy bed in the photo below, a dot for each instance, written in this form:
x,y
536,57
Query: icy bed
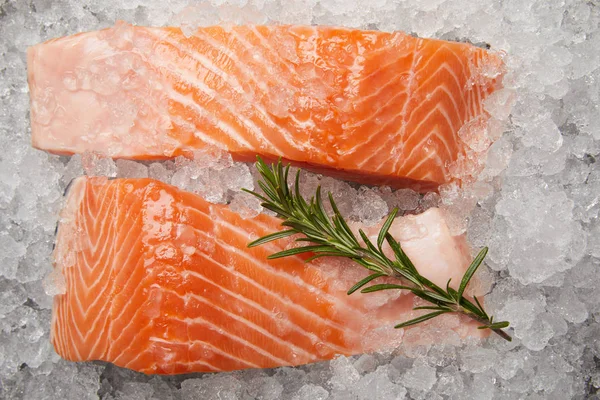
x,y
537,209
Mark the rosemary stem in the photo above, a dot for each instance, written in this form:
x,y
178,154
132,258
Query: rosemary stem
x,y
331,236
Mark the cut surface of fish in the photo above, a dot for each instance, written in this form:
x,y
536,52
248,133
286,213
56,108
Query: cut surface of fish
x,y
374,107
160,281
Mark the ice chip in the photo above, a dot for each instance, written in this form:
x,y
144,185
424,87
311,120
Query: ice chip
x,y
54,283
570,307
370,207
500,103
420,377
160,172
246,205
311,392
12,252
131,169
96,164
344,373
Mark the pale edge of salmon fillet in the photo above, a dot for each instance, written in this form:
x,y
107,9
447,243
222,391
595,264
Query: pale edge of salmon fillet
x,y
374,107
160,281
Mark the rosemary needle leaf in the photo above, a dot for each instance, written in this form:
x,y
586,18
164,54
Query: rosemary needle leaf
x,y
420,319
253,193
432,297
496,325
452,293
298,250
431,308
325,254
267,189
271,237
401,256
363,282
386,227
481,307
277,210
338,217
471,270
367,241
448,285
384,286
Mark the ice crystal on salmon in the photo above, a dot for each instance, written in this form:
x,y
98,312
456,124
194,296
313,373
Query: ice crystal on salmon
x,y
160,281
374,106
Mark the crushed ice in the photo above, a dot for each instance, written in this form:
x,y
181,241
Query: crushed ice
x,y
535,205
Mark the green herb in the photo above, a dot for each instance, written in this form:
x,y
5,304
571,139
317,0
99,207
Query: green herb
x,y
331,236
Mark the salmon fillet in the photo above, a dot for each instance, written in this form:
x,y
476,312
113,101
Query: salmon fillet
x,y
374,107
160,281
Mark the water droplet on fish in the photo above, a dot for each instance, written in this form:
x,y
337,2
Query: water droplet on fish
x,y
322,349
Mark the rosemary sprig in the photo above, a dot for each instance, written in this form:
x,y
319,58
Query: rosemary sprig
x,y
331,236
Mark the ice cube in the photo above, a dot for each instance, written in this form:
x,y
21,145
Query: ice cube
x,y
311,392
344,373
96,164
370,207
12,252
131,169
246,205
421,376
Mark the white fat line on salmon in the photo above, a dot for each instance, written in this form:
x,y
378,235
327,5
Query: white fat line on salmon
x,y
186,345
98,220
61,334
249,124
107,307
271,246
236,338
274,248
84,311
268,313
214,95
294,279
69,336
376,93
214,348
225,128
247,322
412,132
71,288
267,45
409,95
197,131
425,159
192,104
265,290
305,146
133,340
405,123
373,116
86,255
232,81
416,131
446,68
426,137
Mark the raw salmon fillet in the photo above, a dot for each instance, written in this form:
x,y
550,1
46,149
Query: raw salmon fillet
x,y
374,107
160,281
